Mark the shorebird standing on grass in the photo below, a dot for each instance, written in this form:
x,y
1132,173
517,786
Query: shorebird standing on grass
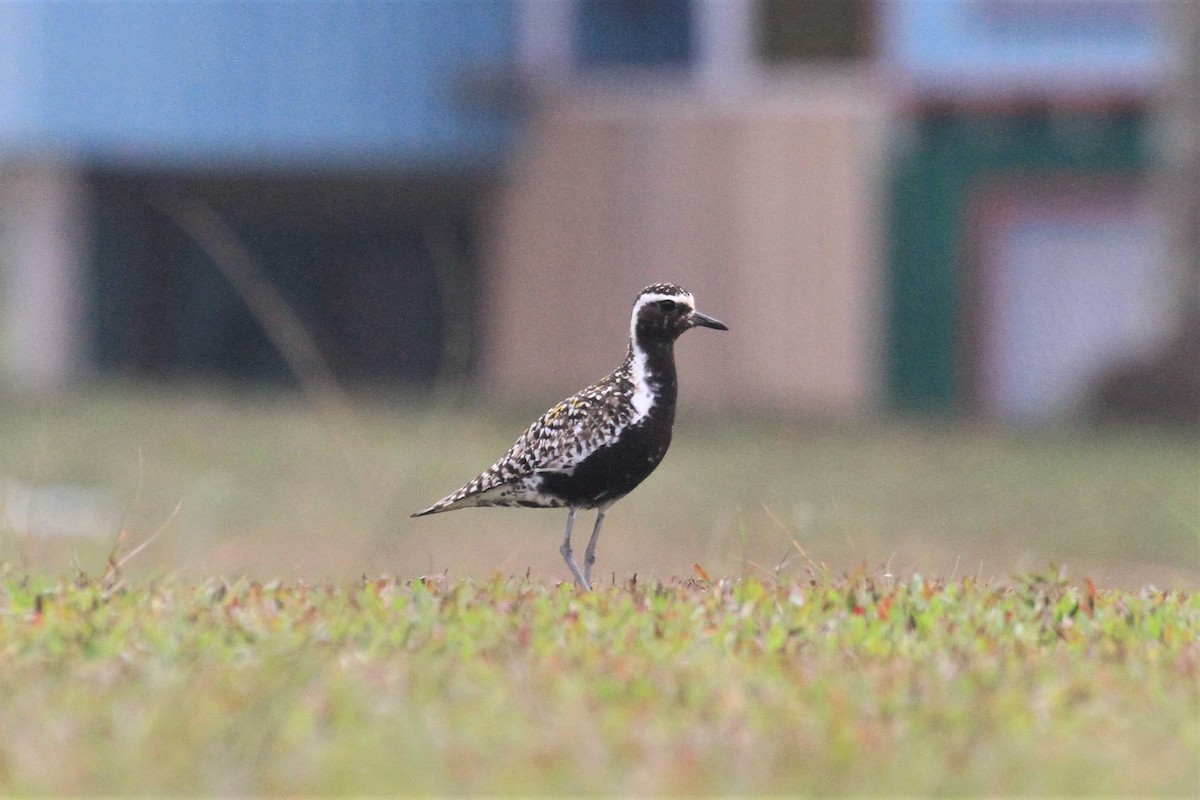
x,y
596,446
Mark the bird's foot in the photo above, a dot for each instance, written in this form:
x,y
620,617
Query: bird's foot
x,y
581,578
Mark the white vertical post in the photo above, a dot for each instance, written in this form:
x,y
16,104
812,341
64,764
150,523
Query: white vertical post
x,y
42,241
726,39
545,32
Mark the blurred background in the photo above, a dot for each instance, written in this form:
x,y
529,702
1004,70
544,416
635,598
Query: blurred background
x,y
938,229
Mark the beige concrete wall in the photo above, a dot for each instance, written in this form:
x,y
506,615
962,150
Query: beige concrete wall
x,y
765,205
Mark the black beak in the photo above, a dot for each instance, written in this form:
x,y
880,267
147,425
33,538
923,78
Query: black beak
x,y
704,321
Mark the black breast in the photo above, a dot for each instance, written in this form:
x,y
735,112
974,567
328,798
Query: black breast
x,y
615,470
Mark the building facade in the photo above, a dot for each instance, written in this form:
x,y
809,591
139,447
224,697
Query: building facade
x,y
933,206
347,148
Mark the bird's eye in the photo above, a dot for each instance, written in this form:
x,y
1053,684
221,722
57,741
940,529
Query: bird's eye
x,y
666,305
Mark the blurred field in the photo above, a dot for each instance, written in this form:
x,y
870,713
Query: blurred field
x,y
267,486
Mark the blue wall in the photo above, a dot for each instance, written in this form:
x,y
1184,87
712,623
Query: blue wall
x,y
343,82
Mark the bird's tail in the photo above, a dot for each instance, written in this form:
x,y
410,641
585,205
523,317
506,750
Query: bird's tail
x,y
447,503
483,491
436,508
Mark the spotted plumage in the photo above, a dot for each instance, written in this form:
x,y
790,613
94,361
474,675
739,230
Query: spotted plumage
x,y
596,446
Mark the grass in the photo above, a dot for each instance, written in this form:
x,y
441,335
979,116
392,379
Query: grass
x,y
268,488
859,684
245,652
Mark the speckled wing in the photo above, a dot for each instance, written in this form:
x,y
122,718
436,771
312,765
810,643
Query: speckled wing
x,y
557,442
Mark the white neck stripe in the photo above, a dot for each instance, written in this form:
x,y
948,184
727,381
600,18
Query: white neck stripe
x,y
643,396
643,393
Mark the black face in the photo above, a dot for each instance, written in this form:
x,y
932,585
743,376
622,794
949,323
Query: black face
x,y
664,312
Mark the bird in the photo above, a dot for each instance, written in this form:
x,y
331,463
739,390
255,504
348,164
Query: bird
x,y
599,444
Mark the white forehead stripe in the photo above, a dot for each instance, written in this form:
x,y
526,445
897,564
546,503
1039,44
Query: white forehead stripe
x,y
685,298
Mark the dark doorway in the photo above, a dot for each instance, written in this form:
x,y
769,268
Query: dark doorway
x,y
380,270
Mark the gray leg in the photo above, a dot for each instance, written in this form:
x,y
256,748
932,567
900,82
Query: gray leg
x,y
589,555
580,578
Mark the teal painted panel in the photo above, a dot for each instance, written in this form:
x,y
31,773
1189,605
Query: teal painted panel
x,y
930,188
